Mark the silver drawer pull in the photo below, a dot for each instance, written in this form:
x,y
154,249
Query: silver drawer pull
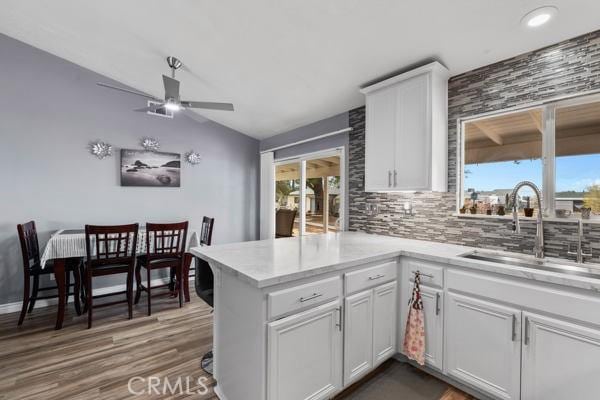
x,y
422,274
378,276
313,296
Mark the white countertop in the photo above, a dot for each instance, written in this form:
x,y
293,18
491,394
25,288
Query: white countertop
x,y
268,262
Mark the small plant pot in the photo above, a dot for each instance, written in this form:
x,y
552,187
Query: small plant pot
x,y
528,212
462,210
488,212
501,210
473,210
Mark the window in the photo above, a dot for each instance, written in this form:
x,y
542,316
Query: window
x,y
309,188
501,150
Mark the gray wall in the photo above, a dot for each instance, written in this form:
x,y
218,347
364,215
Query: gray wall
x,y
51,109
570,67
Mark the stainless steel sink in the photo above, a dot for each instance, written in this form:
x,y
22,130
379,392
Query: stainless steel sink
x,y
546,264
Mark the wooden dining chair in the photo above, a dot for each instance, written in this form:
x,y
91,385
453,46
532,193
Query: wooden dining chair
x,y
165,248
32,268
110,250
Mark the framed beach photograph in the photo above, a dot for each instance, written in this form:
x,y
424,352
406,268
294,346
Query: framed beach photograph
x,y
149,168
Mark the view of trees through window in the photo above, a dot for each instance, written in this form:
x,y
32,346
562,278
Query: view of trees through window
x,y
502,150
322,200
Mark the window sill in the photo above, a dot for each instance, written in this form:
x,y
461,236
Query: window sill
x,y
521,218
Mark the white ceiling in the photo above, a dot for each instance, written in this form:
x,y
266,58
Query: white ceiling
x,y
283,63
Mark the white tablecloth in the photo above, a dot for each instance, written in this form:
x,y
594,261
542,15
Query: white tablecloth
x,y
70,243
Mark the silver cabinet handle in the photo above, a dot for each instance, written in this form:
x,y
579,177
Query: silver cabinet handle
x,y
437,304
389,178
395,178
422,274
514,326
313,296
526,340
378,276
339,324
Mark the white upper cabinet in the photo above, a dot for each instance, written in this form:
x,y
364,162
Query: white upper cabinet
x,y
406,138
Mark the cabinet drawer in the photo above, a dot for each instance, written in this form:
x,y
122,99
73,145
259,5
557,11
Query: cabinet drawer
x,y
369,277
431,274
299,297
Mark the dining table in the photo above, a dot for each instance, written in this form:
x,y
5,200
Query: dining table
x,y
71,243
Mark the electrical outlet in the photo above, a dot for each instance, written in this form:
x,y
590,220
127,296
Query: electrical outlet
x,y
372,208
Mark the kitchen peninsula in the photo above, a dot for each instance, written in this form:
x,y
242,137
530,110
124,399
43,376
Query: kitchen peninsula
x,y
304,318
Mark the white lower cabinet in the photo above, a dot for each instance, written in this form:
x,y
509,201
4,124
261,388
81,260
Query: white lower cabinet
x,y
358,336
434,326
433,311
483,347
385,315
369,330
305,355
561,360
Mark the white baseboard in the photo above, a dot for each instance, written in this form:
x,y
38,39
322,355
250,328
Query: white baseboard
x,y
8,308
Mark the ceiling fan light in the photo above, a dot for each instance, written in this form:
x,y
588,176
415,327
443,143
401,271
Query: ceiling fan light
x,y
172,106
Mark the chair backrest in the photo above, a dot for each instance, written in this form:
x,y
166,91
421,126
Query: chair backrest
x,y
206,231
284,222
166,240
30,249
111,244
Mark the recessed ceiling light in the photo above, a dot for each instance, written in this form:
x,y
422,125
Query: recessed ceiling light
x,y
539,16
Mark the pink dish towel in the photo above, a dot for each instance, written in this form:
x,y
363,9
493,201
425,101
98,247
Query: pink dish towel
x,y
414,337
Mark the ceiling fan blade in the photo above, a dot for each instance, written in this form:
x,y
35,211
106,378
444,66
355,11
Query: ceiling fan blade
x,y
151,108
208,105
106,85
171,88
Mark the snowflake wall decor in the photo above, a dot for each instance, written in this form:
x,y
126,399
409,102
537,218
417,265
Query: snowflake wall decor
x,y
193,158
101,149
150,144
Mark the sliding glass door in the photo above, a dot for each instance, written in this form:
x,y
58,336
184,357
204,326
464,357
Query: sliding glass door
x,y
309,194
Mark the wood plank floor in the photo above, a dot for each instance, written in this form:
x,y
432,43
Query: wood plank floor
x,y
76,363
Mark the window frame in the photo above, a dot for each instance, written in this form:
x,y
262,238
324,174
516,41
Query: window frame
x,y
548,108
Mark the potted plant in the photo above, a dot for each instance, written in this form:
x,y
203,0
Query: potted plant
x,y
473,208
501,210
463,209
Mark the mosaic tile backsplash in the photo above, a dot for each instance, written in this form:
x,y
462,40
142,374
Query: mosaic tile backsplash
x,y
569,67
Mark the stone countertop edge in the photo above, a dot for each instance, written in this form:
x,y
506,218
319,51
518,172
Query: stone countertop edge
x,y
551,277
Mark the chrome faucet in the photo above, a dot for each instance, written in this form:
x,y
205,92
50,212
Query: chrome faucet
x,y
538,249
581,256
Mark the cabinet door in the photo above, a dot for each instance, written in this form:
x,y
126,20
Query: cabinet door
x,y
384,322
433,308
561,360
483,348
304,355
358,339
380,139
413,134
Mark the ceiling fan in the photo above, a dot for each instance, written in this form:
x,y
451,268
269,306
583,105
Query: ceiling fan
x,y
172,102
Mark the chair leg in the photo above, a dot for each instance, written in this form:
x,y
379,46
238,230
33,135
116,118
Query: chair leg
x,y
34,294
77,290
68,286
171,279
82,295
179,284
88,288
149,291
130,293
138,283
25,299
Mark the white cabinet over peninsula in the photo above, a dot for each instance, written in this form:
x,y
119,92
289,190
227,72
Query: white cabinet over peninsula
x,y
304,318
